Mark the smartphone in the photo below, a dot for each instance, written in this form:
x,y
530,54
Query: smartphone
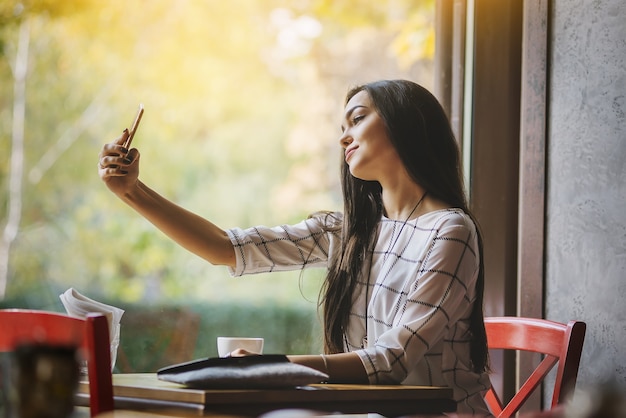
x,y
134,127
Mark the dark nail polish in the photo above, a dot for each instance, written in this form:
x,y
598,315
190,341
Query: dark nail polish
x,y
127,160
124,150
124,171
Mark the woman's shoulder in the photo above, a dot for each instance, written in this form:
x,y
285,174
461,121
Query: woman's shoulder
x,y
447,217
328,220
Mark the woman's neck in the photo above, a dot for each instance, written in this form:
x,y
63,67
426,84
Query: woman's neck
x,y
403,203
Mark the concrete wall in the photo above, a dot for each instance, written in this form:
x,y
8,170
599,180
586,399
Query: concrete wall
x,y
586,190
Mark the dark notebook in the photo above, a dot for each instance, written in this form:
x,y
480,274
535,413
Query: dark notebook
x,y
249,372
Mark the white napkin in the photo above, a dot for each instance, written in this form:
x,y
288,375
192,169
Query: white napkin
x,y
79,306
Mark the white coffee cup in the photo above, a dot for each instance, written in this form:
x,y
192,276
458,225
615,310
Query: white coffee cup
x,y
226,345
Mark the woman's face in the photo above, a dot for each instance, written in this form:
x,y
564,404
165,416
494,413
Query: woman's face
x,y
368,149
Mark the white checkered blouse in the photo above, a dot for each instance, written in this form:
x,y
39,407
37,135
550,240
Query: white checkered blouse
x,y
420,291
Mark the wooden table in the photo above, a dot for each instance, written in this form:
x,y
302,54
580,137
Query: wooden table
x,y
143,391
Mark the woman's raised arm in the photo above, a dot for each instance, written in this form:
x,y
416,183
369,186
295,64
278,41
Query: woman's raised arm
x,y
119,169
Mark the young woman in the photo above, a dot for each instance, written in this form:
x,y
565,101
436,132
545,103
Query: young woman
x,y
402,300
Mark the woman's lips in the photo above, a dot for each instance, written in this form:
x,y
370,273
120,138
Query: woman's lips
x,y
349,152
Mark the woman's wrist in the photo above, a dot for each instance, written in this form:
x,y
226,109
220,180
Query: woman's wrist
x,y
323,356
341,368
317,362
134,194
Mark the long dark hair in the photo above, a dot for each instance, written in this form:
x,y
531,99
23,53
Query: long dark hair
x,y
421,133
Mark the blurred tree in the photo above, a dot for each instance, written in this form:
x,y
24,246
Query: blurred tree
x,y
19,14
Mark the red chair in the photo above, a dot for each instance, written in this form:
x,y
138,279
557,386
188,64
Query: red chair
x,y
562,343
20,326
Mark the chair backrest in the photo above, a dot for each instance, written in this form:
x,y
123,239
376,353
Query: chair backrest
x,y
559,343
90,335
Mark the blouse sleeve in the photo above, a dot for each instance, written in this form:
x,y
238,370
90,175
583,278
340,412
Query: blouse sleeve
x,y
262,249
437,306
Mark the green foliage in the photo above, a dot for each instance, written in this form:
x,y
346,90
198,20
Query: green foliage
x,y
149,334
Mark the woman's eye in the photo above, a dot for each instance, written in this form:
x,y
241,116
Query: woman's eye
x,y
357,119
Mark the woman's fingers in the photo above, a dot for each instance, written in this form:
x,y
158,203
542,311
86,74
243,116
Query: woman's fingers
x,y
114,156
117,166
240,352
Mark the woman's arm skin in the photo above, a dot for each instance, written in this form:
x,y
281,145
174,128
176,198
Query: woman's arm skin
x,y
341,368
191,231
120,171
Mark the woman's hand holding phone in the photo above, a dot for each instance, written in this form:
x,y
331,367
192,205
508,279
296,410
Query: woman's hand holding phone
x,y
118,165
